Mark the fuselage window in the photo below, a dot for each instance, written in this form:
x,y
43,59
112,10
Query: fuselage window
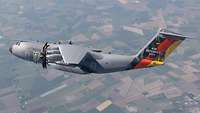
x,y
36,57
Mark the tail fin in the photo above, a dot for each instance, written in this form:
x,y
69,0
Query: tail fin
x,y
158,49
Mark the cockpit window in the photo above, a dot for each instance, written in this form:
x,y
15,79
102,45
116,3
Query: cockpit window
x,y
18,43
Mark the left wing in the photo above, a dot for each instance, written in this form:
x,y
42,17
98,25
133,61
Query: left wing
x,y
72,54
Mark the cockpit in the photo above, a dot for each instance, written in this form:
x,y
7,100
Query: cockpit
x,y
18,43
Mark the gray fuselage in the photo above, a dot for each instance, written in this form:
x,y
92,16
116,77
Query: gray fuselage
x,y
92,62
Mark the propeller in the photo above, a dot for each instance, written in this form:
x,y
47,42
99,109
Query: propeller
x,y
44,55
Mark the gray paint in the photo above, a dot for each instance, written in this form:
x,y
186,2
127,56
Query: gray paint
x,y
77,59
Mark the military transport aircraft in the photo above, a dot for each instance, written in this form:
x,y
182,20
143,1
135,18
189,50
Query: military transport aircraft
x,y
76,59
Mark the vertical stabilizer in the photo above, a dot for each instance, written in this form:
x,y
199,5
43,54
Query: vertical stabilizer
x,y
158,49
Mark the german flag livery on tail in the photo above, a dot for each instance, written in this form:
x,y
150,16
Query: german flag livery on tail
x,y
157,49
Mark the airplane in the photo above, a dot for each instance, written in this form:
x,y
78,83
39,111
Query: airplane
x,y
72,58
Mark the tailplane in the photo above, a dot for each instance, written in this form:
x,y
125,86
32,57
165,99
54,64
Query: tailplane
x,y
158,49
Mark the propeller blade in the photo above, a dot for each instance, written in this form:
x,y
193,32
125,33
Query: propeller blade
x,y
44,55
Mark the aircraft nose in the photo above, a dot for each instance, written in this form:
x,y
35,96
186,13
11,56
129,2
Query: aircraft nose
x,y
10,49
17,50
22,50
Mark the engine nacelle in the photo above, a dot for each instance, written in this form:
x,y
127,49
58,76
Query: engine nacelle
x,y
54,57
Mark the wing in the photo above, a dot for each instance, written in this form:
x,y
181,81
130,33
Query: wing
x,y
72,54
